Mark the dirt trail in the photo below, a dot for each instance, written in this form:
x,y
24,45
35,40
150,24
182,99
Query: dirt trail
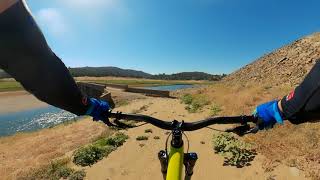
x,y
133,162
18,101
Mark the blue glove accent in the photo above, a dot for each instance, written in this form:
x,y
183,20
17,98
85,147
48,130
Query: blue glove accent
x,y
269,113
97,109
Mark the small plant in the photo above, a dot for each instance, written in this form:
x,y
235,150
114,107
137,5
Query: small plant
x,y
86,156
186,99
117,140
141,145
78,175
194,102
148,131
215,110
235,152
156,137
142,138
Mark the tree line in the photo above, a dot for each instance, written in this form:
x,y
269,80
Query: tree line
x,y
118,72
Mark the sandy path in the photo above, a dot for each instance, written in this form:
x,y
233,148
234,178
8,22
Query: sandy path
x,y
18,101
141,163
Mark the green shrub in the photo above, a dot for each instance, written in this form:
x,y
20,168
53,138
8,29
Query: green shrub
x,y
148,131
215,110
78,175
186,99
117,140
195,102
156,137
86,156
142,138
235,152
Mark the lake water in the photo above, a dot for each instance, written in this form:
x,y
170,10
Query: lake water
x,y
32,120
49,116
171,87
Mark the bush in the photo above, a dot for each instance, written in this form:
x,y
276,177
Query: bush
x,y
86,156
235,152
115,141
214,110
194,103
148,131
78,175
142,138
187,99
156,137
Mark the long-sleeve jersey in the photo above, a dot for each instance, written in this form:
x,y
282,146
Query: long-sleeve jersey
x,y
26,56
303,103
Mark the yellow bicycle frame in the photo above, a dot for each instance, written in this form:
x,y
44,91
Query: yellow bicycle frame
x,y
175,163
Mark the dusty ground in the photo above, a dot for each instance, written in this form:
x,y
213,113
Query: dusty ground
x,y
18,101
138,163
21,152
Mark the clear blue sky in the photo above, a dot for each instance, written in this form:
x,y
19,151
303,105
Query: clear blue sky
x,y
167,36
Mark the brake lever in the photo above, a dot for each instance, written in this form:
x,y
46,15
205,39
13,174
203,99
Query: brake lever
x,y
107,121
245,128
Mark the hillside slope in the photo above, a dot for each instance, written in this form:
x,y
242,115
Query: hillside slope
x,y
286,65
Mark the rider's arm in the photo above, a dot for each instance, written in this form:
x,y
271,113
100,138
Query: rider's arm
x,y
305,98
300,105
26,56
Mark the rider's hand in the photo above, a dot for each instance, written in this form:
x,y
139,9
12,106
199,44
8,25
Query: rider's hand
x,y
98,109
269,113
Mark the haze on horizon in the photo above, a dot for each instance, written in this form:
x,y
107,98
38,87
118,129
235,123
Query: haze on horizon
x,y
212,36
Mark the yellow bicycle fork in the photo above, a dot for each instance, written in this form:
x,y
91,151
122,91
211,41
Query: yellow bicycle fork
x,y
172,164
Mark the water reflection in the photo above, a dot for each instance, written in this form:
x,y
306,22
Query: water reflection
x,y
32,120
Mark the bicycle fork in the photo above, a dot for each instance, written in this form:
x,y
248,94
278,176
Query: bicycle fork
x,y
190,160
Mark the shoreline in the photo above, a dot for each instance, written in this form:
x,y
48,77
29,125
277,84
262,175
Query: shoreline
x,y
16,101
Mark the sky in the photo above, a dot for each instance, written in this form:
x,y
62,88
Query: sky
x,y
169,36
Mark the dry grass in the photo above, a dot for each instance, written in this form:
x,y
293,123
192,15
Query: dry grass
x,y
237,99
293,145
25,151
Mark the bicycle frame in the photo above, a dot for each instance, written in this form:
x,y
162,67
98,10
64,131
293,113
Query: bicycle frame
x,y
175,163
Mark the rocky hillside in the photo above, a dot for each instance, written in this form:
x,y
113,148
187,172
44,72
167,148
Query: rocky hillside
x,y
287,65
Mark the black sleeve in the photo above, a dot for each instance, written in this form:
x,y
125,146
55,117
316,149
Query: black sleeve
x,y
26,56
304,101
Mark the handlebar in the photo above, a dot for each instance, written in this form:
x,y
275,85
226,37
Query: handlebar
x,y
185,126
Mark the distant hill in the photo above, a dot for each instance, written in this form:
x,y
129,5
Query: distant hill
x,y
286,65
189,76
107,71
118,72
